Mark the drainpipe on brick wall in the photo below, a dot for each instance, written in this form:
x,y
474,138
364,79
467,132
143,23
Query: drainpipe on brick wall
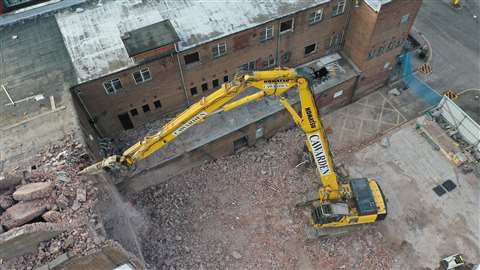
x,y
181,75
277,57
90,118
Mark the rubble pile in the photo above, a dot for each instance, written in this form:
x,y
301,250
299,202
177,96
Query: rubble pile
x,y
238,212
51,191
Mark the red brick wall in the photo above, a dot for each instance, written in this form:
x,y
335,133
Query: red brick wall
x,y
155,52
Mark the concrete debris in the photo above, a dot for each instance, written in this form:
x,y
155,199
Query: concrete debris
x,y
10,180
228,210
81,195
63,176
33,191
52,216
22,213
236,255
6,201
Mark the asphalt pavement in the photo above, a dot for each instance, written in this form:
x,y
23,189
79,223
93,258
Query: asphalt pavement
x,y
454,35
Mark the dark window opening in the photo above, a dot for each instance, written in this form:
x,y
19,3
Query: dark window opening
x,y
215,83
157,104
286,26
125,121
193,91
225,78
146,108
191,58
134,112
204,86
310,48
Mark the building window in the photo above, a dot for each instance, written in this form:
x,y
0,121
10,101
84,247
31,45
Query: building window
x,y
112,86
315,16
134,112
336,41
225,78
270,61
339,9
267,33
142,76
404,18
310,49
157,104
286,26
191,58
391,45
193,91
146,108
204,87
215,83
219,49
248,66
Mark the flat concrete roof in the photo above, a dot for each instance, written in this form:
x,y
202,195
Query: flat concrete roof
x,y
376,5
34,66
93,35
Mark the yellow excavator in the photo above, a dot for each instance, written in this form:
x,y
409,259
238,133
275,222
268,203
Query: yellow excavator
x,y
339,203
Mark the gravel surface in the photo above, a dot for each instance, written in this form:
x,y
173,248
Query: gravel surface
x,y
238,212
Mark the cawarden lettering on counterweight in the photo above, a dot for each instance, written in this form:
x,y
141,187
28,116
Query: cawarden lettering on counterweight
x,y
319,154
190,123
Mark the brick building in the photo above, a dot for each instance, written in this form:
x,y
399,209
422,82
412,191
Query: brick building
x,y
136,63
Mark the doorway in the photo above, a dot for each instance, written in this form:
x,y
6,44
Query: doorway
x,y
125,120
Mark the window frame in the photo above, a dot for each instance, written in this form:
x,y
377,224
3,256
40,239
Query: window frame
x,y
336,8
268,61
216,49
134,112
204,86
141,72
312,52
155,104
288,30
264,34
112,85
226,79
191,63
315,13
405,18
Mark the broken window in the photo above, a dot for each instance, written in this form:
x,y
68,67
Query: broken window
x,y
193,91
286,26
146,108
112,86
142,76
225,78
191,58
204,87
219,49
215,83
315,16
134,112
267,33
310,49
157,104
339,9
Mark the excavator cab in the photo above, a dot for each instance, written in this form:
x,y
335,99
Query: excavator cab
x,y
327,213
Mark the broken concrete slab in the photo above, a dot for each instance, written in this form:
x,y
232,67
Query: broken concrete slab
x,y
10,180
25,239
33,191
81,195
52,216
22,213
6,201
